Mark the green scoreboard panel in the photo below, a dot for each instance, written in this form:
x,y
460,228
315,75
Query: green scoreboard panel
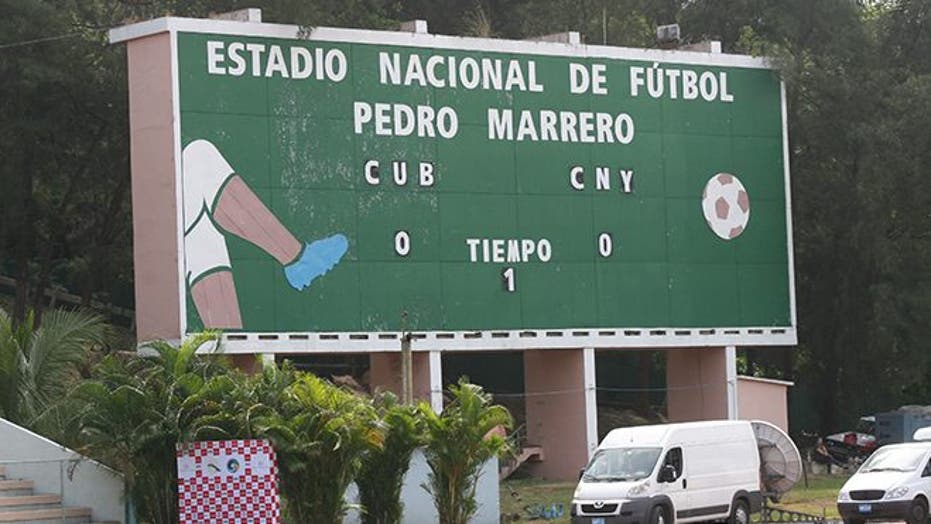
x,y
332,183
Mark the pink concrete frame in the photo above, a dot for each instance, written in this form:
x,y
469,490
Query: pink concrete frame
x,y
154,144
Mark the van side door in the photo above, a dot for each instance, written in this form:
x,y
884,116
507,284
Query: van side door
x,y
925,483
674,486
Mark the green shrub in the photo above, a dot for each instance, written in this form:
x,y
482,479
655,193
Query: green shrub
x,y
320,433
460,441
135,412
382,475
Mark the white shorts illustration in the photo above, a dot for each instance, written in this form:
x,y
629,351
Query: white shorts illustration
x,y
204,171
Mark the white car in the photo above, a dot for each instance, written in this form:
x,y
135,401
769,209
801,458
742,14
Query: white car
x,y
894,483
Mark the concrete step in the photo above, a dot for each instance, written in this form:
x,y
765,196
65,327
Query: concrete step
x,y
28,502
48,516
527,453
14,488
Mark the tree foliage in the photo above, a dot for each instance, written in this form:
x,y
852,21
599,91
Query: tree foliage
x,y
39,364
460,441
137,409
383,469
136,412
320,433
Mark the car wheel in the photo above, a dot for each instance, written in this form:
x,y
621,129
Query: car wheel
x,y
918,512
740,512
659,515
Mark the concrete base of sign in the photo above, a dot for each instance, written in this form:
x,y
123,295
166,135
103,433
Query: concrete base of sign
x,y
697,384
385,374
560,396
557,410
250,364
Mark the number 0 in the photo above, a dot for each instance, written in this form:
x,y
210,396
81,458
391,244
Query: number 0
x,y
402,243
508,276
605,244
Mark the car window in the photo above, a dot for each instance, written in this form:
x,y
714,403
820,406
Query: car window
x,y
927,470
895,458
674,459
621,464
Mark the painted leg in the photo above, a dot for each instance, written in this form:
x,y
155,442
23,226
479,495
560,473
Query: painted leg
x,y
212,185
240,211
215,298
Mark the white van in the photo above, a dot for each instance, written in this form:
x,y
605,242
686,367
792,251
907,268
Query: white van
x,y
894,483
661,474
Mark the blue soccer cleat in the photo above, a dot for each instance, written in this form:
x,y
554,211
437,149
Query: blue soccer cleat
x,y
317,258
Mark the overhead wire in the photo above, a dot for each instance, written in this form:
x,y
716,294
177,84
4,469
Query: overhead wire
x,y
690,387
73,34
23,43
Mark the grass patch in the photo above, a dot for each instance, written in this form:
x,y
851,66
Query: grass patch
x,y
519,494
819,498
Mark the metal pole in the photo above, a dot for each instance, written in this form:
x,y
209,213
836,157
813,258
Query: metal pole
x,y
604,25
61,485
407,382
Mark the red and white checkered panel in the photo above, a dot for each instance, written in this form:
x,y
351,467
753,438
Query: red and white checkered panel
x,y
229,481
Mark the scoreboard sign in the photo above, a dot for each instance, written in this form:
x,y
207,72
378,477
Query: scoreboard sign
x,y
330,184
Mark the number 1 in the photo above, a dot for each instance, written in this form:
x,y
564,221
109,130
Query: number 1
x,y
508,276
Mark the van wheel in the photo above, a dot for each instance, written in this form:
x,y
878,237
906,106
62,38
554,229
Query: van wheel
x,y
918,512
659,515
740,512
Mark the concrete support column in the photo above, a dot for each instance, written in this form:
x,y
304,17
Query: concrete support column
x,y
730,356
248,363
697,382
559,417
591,401
385,373
436,381
155,156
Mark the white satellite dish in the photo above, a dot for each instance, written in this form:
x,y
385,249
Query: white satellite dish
x,y
780,461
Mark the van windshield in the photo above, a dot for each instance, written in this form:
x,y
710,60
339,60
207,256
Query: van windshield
x,y
894,459
621,464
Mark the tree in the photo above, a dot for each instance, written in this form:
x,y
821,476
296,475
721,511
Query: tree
x,y
383,469
860,190
39,364
320,433
460,441
137,410
64,211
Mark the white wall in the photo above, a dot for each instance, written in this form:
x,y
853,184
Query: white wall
x,y
418,504
86,483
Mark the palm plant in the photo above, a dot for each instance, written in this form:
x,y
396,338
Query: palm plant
x,y
232,405
382,475
39,363
460,441
320,433
135,412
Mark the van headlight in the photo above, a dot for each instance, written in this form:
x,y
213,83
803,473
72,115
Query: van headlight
x,y
897,493
843,496
639,489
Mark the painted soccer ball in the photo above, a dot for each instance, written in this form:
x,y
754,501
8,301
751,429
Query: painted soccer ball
x,y
726,206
